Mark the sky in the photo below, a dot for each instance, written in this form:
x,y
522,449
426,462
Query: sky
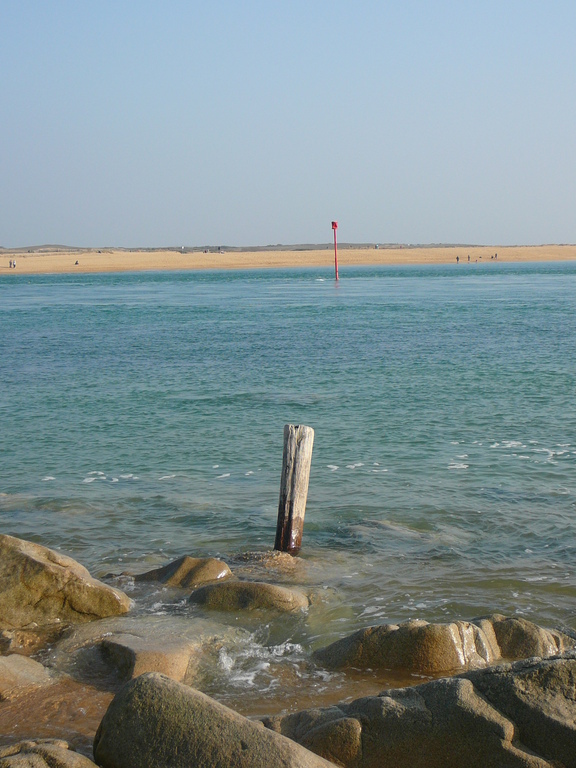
x,y
138,123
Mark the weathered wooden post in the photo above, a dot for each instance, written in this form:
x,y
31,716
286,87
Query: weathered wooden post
x,y
298,442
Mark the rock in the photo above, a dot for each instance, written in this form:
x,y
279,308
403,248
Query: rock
x,y
42,753
188,572
433,649
520,715
259,565
248,595
40,586
156,722
133,656
28,641
18,672
518,638
126,646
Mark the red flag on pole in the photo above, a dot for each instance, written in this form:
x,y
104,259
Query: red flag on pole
x,y
335,227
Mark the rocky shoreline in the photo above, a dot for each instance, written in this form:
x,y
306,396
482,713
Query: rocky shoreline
x,y
504,692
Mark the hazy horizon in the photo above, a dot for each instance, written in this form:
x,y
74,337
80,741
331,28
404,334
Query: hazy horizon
x,y
260,123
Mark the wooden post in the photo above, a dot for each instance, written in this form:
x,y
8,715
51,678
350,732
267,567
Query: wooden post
x,y
298,442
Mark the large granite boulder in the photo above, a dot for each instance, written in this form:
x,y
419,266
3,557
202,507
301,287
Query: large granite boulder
x,y
156,722
40,586
432,649
19,672
249,595
520,715
188,572
42,753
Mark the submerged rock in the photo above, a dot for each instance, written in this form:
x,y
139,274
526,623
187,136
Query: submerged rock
x,y
117,649
28,641
19,672
156,722
132,656
520,715
432,649
188,572
42,753
41,586
249,595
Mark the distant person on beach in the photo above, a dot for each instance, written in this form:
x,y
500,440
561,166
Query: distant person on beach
x,y
10,263
468,257
14,263
75,263
457,259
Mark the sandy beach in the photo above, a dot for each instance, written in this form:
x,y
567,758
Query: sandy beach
x,y
47,260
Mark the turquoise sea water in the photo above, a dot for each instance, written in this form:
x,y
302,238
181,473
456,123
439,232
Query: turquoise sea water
x,y
141,418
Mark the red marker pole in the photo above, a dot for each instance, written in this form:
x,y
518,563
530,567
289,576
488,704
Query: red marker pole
x,y
335,227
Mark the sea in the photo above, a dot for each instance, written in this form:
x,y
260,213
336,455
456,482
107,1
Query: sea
x,y
142,418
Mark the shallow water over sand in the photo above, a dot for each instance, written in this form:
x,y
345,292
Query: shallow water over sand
x,y
142,419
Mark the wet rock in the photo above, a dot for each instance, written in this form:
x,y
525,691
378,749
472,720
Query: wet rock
x,y
19,672
156,722
188,572
119,648
260,565
42,753
39,586
433,649
249,595
132,656
28,641
518,638
520,715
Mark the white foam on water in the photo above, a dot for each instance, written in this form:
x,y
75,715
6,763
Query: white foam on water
x,y
379,470
167,477
512,444
458,466
48,477
226,474
332,467
495,445
96,472
463,456
247,474
128,477
114,480
216,466
88,479
354,466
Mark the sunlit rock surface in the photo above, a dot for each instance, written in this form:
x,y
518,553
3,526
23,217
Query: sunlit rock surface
x,y
156,722
250,595
188,572
41,586
520,715
432,649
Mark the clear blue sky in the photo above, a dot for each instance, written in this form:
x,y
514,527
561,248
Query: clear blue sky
x,y
140,123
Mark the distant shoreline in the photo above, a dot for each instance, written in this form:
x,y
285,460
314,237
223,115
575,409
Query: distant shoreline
x,y
64,260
